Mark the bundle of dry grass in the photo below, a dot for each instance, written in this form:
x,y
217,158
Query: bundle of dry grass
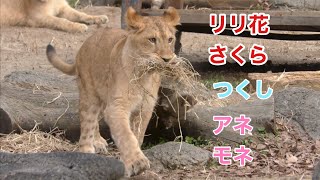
x,y
178,75
179,69
35,141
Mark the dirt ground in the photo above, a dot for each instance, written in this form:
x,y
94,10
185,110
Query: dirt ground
x,y
23,49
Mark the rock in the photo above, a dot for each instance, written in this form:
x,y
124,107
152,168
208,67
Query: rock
x,y
59,165
147,175
299,4
316,173
200,119
261,146
301,105
167,156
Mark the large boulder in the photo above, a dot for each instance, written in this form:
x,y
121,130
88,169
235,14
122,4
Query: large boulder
x,y
301,105
59,165
316,173
167,156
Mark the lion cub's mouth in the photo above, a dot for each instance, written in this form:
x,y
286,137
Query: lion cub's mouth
x,y
173,61
173,68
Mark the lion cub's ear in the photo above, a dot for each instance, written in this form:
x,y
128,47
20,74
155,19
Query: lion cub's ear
x,y
171,16
134,20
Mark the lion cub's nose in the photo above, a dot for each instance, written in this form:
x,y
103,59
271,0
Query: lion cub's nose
x,y
167,58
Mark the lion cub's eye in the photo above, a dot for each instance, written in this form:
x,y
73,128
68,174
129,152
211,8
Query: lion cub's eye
x,y
153,40
170,40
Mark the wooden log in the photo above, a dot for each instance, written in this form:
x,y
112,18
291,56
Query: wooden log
x,y
192,20
214,4
178,4
136,4
308,79
286,76
30,98
221,4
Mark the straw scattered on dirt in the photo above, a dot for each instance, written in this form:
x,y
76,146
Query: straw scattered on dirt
x,y
285,152
35,141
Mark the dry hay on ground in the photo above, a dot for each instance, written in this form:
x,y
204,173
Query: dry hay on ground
x,y
35,141
289,153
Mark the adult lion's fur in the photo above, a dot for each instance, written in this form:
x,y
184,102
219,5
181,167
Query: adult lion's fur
x,y
54,14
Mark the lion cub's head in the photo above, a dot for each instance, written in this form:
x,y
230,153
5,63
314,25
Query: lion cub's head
x,y
153,36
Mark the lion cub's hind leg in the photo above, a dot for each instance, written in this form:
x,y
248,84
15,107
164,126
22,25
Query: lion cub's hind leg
x,y
89,112
76,16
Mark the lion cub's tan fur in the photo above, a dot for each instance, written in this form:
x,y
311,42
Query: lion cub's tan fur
x,y
54,14
106,69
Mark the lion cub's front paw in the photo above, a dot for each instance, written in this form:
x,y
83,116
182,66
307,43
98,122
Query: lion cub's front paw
x,y
86,149
100,145
136,164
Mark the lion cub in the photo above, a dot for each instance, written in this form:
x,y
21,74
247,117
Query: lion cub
x,y
53,14
107,70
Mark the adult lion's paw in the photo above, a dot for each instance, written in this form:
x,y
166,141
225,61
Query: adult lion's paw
x,y
99,20
136,164
79,28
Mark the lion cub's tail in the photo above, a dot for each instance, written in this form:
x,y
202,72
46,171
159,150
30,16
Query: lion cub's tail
x,y
58,63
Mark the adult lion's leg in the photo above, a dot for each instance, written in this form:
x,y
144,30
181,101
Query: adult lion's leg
x,y
117,117
76,16
53,22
